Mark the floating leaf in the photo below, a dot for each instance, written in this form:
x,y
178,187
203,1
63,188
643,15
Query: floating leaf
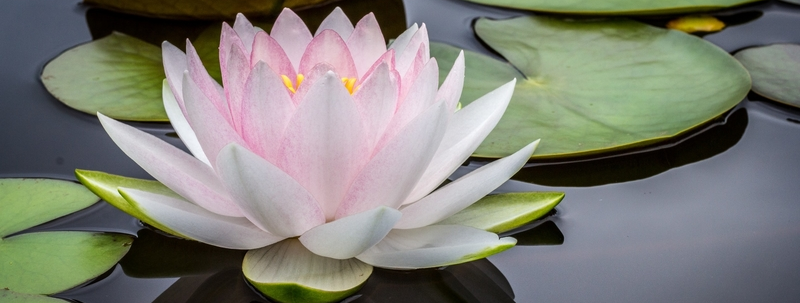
x,y
693,24
775,70
288,272
118,75
504,212
7,296
616,7
205,10
586,87
30,202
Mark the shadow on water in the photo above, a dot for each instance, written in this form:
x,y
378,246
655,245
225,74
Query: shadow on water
x,y
715,139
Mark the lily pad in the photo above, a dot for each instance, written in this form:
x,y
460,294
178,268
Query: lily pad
x,y
119,76
7,296
775,70
205,10
49,262
587,87
504,212
288,272
616,7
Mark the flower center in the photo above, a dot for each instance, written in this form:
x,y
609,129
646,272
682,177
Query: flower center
x,y
348,83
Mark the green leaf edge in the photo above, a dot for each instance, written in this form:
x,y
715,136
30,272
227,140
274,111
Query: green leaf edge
x,y
10,296
105,185
293,292
755,88
540,203
666,11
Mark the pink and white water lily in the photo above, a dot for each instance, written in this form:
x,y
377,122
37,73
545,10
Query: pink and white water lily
x,y
332,140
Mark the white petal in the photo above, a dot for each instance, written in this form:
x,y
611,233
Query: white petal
x,y
174,65
434,246
184,174
338,22
267,196
377,100
468,128
198,223
461,193
366,43
349,236
245,30
401,42
266,110
418,41
451,88
180,124
292,34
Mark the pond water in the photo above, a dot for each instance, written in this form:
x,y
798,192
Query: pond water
x,y
713,216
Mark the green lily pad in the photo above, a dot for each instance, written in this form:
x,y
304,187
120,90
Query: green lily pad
x,y
288,272
775,70
105,185
7,296
204,10
616,7
587,87
504,212
30,202
119,76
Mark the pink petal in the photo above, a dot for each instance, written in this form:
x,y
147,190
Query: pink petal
x,y
366,44
238,69
245,30
451,88
207,85
406,56
266,49
227,39
391,174
316,73
174,65
401,42
338,22
387,57
349,236
266,109
267,196
211,128
184,174
292,34
324,145
420,97
376,99
178,120
328,47
413,71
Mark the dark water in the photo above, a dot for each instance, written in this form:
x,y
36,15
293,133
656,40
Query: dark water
x,y
710,217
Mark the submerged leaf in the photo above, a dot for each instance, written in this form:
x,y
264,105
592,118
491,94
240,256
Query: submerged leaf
x,y
587,87
504,212
775,70
30,202
616,7
693,24
288,272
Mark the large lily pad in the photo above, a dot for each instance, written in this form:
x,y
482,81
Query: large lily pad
x,y
205,10
8,296
49,262
775,70
586,87
616,7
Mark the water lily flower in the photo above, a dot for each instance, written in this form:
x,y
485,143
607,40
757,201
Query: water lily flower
x,y
331,145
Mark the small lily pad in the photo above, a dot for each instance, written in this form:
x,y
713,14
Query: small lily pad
x,y
119,76
775,70
288,272
504,212
8,296
616,7
694,24
30,202
203,10
593,86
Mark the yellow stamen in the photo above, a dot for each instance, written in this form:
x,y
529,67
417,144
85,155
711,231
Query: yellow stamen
x,y
349,83
288,83
300,79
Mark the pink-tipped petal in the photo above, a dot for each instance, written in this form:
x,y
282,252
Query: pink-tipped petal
x,y
174,65
292,34
337,21
207,85
245,30
227,39
328,47
212,129
376,100
401,42
266,110
180,124
434,246
407,55
350,236
316,73
366,43
184,174
198,223
468,128
266,49
391,174
387,57
461,193
324,145
234,78
451,88
267,196
420,97
413,71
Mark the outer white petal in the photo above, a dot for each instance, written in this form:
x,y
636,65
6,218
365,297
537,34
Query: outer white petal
x,y
174,65
401,42
267,196
184,174
349,236
337,21
434,246
180,124
461,193
199,224
451,88
419,41
468,128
